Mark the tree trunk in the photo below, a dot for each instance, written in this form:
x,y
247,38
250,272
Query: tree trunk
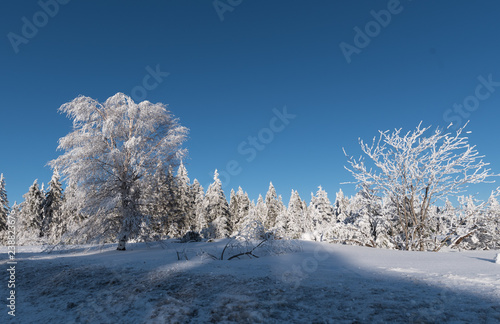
x,y
121,243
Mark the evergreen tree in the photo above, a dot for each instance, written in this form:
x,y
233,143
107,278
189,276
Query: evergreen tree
x,y
159,205
250,214
493,221
31,213
294,225
185,199
166,217
4,204
233,210
199,211
341,206
445,222
322,214
471,223
480,226
261,210
6,235
175,219
217,210
273,207
244,205
52,205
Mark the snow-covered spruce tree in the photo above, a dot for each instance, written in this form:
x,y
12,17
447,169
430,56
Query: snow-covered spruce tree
x,y
273,207
282,213
6,235
217,210
478,224
492,216
250,214
252,228
470,213
293,225
199,211
30,218
161,205
261,210
281,224
4,205
341,206
52,207
322,215
367,218
244,206
385,228
446,224
113,154
233,210
185,199
415,171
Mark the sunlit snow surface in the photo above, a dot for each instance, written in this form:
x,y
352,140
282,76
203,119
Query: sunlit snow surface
x,y
321,283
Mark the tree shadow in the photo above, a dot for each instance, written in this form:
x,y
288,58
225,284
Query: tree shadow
x,y
484,259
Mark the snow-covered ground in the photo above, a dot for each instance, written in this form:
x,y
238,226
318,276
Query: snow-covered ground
x,y
320,283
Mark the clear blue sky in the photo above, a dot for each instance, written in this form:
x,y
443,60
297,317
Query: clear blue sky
x,y
226,76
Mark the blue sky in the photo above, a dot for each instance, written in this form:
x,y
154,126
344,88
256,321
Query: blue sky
x,y
226,77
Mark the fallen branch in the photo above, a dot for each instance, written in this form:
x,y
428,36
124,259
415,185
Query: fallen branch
x,y
460,239
250,253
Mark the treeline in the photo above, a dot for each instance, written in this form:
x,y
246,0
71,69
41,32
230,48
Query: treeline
x,y
118,164
178,206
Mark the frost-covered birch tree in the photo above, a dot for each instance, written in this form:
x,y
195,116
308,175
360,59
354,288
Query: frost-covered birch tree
x,y
113,153
415,170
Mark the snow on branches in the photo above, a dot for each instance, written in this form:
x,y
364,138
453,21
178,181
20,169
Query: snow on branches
x,y
414,171
113,153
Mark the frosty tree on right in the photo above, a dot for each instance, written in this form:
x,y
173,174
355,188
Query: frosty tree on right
x,y
414,171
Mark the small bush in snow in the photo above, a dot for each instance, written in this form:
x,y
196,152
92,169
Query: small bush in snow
x,y
191,237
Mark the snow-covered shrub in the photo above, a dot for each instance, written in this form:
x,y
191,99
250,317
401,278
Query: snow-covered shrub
x,y
191,236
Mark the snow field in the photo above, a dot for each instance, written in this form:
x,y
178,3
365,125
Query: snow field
x,y
320,283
